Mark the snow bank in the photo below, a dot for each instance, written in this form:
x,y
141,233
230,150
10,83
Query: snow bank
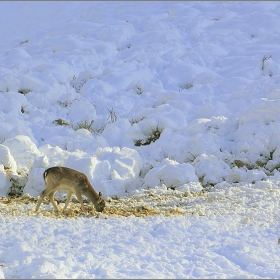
x,y
139,90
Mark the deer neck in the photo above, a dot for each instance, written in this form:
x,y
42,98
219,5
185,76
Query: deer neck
x,y
91,194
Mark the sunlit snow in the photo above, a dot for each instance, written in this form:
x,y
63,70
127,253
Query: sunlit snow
x,y
143,96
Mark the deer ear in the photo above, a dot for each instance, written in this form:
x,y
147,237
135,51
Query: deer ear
x,y
100,194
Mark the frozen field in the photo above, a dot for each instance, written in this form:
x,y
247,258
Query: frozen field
x,y
169,108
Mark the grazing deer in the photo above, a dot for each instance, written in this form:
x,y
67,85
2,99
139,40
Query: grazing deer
x,y
63,178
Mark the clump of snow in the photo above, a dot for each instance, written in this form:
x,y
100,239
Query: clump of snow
x,y
4,181
6,159
170,173
210,169
23,150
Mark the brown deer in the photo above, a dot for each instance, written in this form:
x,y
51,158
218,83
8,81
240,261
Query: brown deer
x,y
63,178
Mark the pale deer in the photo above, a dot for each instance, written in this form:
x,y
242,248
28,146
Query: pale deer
x,y
63,178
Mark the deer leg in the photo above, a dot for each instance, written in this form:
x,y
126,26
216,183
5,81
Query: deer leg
x,y
42,195
51,196
79,196
69,195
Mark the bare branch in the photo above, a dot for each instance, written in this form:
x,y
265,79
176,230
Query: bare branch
x,y
264,59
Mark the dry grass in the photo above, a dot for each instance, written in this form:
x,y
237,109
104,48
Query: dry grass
x,y
153,136
235,200
138,206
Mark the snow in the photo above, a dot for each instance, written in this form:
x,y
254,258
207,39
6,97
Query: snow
x,y
163,97
212,247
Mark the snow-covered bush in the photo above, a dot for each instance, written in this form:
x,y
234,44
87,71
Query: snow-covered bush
x,y
170,173
210,169
23,150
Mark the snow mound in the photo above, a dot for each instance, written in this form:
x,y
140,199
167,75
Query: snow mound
x,y
23,150
170,173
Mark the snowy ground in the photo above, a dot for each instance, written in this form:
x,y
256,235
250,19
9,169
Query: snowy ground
x,y
166,106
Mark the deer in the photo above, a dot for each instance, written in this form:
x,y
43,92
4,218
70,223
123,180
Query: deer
x,y
64,178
